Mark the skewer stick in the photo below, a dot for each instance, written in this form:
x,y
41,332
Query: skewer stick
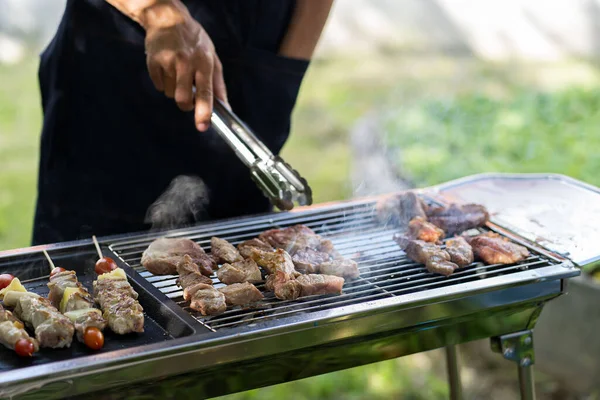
x,y
52,266
97,246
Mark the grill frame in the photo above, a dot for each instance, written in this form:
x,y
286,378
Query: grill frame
x,y
373,331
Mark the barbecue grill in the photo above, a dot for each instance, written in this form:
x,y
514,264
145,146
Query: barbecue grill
x,y
394,309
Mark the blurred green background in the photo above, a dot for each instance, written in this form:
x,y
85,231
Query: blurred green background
x,y
443,117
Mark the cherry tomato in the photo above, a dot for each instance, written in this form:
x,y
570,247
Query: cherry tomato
x,y
104,265
24,348
93,338
5,280
57,270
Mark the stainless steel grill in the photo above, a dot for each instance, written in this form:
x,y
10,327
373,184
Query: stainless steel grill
x,y
385,270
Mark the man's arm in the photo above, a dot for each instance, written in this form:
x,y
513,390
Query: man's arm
x,y
305,28
179,55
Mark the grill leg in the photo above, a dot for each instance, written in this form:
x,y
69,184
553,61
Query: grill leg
x,y
518,347
453,373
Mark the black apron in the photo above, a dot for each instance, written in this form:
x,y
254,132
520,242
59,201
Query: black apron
x,y
112,144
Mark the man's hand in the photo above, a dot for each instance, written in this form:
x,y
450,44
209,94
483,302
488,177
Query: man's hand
x,y
180,55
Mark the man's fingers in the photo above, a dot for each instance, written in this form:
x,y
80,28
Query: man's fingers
x,y
219,83
169,76
155,75
204,92
183,84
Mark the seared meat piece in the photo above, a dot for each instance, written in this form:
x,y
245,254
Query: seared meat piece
x,y
238,272
420,229
326,246
206,299
118,301
163,255
495,249
198,289
273,261
52,329
307,260
291,239
239,294
458,218
460,251
306,285
223,252
75,302
245,248
341,268
436,259
12,330
399,209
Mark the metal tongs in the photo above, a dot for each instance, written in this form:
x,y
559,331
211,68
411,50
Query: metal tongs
x,y
276,178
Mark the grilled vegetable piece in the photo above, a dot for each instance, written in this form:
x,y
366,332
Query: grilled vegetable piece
x,y
104,265
456,219
5,280
420,229
224,252
164,254
14,286
75,302
239,272
12,331
203,297
436,259
52,329
461,252
343,268
304,285
495,249
118,301
239,294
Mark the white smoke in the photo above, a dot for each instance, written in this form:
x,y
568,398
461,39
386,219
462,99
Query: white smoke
x,y
183,202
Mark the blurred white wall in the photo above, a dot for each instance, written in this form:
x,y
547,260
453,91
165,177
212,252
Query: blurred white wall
x,y
492,29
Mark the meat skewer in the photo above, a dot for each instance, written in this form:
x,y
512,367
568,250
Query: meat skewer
x,y
117,299
14,336
72,299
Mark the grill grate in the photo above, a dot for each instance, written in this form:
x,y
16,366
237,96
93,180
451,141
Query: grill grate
x,y
385,270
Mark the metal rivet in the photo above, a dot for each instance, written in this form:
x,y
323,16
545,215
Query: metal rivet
x,y
527,340
525,362
508,352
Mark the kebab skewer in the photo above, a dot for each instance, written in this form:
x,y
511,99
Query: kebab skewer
x,y
72,299
14,336
116,297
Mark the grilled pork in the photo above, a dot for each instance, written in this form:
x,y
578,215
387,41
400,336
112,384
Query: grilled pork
x,y
420,229
203,297
494,249
305,285
245,248
460,251
326,246
456,219
12,330
400,209
163,255
239,294
52,329
239,272
291,239
69,296
224,252
436,259
274,261
342,268
118,301
307,260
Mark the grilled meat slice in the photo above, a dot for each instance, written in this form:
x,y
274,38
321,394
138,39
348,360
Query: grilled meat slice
x,y
436,259
495,249
306,285
118,301
206,299
245,248
189,276
326,246
399,209
224,252
291,239
239,294
420,229
163,255
52,329
12,330
461,252
342,268
458,218
307,260
239,272
273,261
